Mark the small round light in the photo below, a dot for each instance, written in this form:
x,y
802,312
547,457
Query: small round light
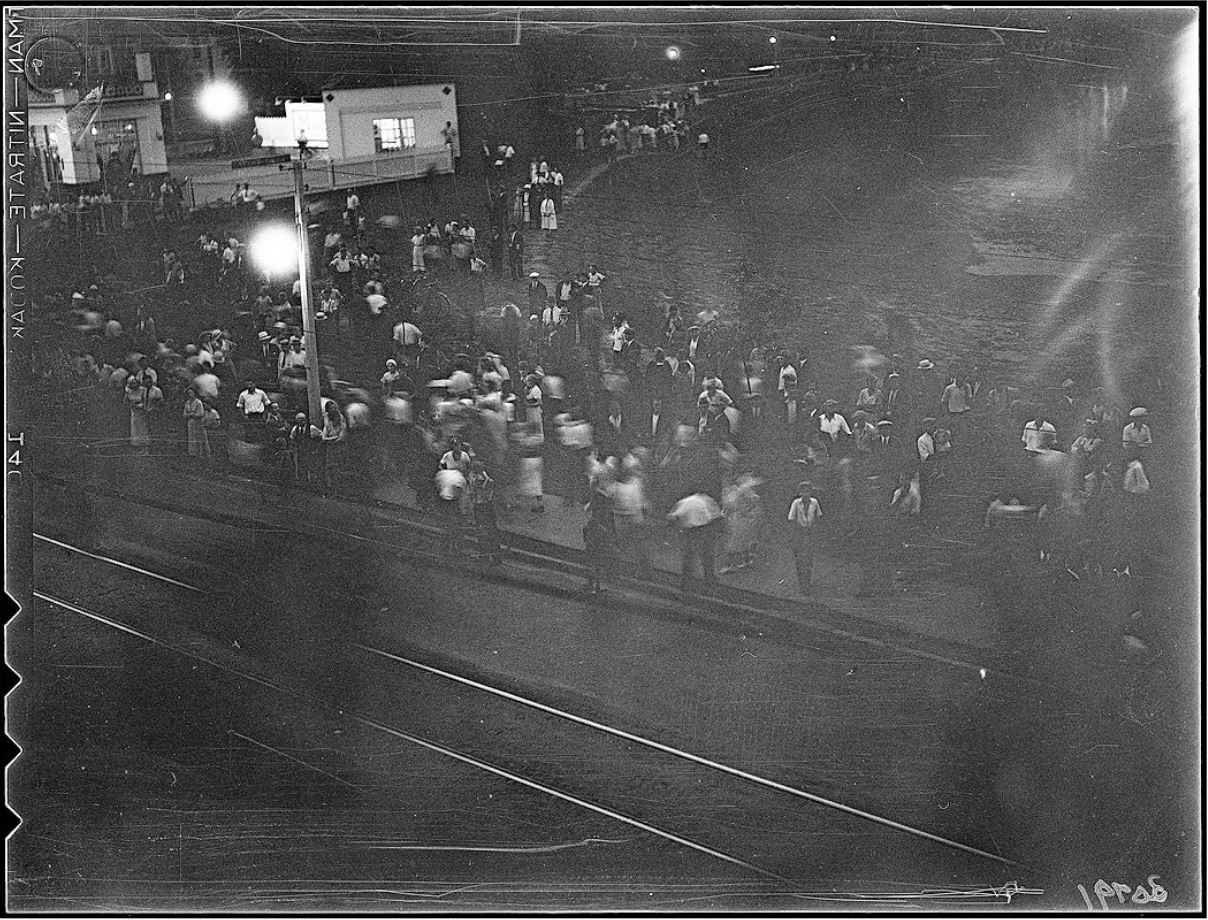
x,y
167,97
772,40
832,38
672,53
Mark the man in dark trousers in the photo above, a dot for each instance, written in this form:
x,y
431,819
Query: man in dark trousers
x,y
495,248
696,516
516,253
537,294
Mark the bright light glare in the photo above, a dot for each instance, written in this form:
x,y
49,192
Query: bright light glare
x,y
219,101
832,38
673,53
167,97
772,40
275,249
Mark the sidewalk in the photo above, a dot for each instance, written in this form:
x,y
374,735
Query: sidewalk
x,y
945,610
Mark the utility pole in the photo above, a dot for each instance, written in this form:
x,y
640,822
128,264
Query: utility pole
x,y
310,340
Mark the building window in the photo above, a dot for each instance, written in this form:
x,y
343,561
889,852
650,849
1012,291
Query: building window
x,y
393,134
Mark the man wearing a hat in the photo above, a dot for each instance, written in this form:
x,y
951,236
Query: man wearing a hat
x,y
294,356
928,383
885,444
390,380
1136,436
896,402
537,294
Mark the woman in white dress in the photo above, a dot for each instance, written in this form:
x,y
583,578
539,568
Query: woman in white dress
x,y
140,431
195,414
418,241
549,216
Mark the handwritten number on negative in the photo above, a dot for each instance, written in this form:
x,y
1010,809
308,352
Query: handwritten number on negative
x,y
1104,892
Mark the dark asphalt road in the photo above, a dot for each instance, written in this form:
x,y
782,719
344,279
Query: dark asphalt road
x,y
278,782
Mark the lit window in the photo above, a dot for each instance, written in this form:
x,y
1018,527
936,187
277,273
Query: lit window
x,y
393,134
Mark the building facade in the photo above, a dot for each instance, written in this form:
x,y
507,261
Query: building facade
x,y
358,137
102,137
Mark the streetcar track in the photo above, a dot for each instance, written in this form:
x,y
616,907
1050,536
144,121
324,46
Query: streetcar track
x,y
117,562
684,755
367,721
599,727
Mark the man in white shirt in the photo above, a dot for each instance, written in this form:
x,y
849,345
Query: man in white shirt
x,y
551,315
1037,434
696,516
956,398
595,282
342,264
456,457
926,441
616,334
557,180
352,212
450,487
805,515
294,356
1136,438
407,337
253,403
832,425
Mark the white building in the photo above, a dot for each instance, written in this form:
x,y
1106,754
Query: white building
x,y
113,129
358,136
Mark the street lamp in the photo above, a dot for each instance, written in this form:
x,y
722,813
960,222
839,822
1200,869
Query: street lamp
x,y
274,249
271,245
220,101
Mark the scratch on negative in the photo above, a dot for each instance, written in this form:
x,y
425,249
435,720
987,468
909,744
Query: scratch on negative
x,y
545,849
296,760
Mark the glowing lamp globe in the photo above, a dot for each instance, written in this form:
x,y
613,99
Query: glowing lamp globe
x,y
219,101
673,53
274,249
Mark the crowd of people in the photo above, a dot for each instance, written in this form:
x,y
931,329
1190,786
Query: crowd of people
x,y
483,409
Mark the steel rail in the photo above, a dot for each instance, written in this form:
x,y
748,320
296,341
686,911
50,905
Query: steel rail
x,y
398,733
685,755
